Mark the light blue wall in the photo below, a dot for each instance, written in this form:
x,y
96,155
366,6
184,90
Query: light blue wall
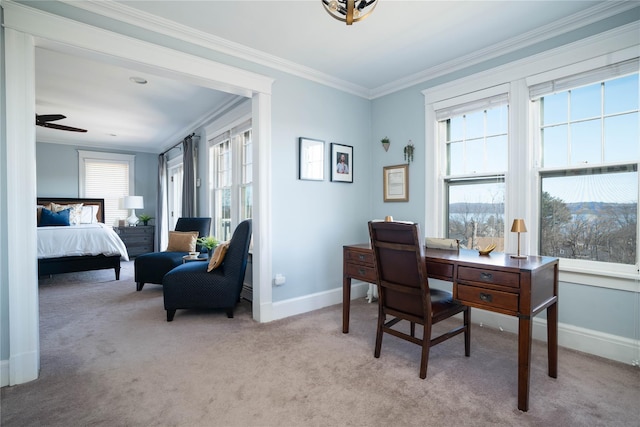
x,y
57,173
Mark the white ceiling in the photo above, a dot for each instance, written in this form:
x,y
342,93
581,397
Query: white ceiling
x,y
400,43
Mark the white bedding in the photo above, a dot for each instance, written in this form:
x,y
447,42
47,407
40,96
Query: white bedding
x,y
77,240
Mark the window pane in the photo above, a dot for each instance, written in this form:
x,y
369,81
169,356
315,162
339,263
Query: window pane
x,y
586,140
555,147
585,102
474,152
476,213
554,108
618,95
474,123
621,138
590,215
108,180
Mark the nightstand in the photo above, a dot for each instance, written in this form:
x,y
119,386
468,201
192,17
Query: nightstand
x,y
138,240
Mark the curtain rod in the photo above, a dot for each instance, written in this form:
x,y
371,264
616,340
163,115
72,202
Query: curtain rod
x,y
171,148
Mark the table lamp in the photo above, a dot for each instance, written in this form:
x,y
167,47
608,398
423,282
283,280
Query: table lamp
x,y
518,227
133,203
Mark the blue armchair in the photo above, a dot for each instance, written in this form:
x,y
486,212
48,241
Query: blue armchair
x,y
190,286
151,267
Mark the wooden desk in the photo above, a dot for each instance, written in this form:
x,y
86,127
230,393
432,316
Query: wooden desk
x,y
494,282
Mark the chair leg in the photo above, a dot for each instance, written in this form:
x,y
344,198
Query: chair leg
x,y
426,344
170,314
467,331
230,313
413,329
379,332
139,286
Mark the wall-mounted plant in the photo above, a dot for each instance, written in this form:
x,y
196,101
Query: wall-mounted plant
x,y
408,152
385,143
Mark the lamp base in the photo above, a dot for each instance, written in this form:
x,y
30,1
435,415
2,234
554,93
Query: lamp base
x,y
519,256
133,219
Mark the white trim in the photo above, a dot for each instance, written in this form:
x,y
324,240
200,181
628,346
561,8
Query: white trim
x,y
609,346
22,271
307,303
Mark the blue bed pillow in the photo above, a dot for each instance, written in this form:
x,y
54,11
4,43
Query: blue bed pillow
x,y
49,218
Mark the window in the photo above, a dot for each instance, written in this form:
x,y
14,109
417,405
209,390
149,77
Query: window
x,y
174,190
107,176
475,139
230,179
589,153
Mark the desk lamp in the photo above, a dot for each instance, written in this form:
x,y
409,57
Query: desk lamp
x,y
518,227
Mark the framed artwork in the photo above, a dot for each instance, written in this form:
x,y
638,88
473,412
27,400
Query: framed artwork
x,y
341,163
396,183
311,159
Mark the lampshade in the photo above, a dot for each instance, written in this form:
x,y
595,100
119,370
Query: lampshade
x,y
133,202
349,11
518,226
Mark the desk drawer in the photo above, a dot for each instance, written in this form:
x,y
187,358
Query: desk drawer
x,y
440,270
489,298
501,278
359,257
361,272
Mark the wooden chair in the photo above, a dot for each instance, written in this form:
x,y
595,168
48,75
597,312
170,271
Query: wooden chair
x,y
404,292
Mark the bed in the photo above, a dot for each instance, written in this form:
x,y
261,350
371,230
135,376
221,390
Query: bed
x,y
89,244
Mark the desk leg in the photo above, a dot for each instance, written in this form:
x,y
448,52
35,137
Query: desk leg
x,y
552,339
524,361
346,303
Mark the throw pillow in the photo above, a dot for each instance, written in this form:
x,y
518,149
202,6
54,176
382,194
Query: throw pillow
x,y
218,256
89,214
49,218
182,241
75,213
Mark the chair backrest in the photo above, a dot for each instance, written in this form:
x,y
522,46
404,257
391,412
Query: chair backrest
x,y
235,260
201,225
402,272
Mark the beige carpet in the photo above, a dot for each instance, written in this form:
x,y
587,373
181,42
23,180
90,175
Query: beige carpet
x,y
109,358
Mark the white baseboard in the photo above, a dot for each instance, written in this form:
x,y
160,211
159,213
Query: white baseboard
x,y
620,349
4,373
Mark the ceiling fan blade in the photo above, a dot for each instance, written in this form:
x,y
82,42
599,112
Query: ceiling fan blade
x,y
50,117
62,127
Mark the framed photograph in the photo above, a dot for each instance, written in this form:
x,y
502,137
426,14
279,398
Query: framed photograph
x,y
341,163
396,183
311,159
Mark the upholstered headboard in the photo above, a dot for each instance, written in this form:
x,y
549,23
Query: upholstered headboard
x,y
69,201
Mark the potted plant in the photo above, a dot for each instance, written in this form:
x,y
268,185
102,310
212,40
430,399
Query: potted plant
x,y
385,143
209,242
145,218
408,152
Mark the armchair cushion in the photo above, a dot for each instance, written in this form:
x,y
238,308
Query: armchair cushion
x,y
218,256
182,241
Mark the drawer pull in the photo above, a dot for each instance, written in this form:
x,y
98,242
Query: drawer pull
x,y
485,297
486,276
362,271
361,257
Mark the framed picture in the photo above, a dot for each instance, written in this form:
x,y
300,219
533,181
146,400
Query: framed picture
x,y
396,183
341,163
311,159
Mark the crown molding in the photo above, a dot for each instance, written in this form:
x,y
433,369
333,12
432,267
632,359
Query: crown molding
x,y
137,18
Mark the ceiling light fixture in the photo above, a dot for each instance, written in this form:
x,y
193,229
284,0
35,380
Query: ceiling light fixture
x,y
138,80
347,11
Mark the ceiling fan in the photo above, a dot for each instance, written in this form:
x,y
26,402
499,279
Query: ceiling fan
x,y
43,120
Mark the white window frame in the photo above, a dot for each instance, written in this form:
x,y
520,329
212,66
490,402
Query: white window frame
x,y
237,117
84,155
174,200
522,180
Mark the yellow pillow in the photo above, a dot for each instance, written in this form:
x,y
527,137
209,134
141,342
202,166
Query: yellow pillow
x,y
218,256
182,241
